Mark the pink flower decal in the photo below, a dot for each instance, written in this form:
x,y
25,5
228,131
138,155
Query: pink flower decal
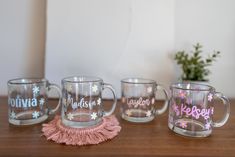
x,y
212,110
171,119
176,109
202,105
210,97
208,126
189,101
183,124
182,94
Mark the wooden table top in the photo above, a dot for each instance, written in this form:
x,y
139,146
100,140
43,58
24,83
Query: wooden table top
x,y
149,139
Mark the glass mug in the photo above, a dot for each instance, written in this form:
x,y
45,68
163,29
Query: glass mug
x,y
191,109
27,100
138,99
82,101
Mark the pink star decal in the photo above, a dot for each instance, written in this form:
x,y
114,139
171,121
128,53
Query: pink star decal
x,y
183,124
210,97
175,107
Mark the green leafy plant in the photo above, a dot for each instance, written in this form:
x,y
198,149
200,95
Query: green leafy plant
x,y
193,65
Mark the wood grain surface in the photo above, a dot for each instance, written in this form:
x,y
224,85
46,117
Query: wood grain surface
x,y
149,139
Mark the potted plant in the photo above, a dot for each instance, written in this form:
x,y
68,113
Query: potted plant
x,y
193,65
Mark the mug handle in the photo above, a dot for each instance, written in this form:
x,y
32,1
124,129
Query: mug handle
x,y
57,88
226,104
164,108
110,87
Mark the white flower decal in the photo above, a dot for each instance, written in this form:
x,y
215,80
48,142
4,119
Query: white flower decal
x,y
35,90
70,116
69,88
64,101
41,101
99,101
13,115
149,89
35,114
153,100
94,115
128,112
94,88
148,113
123,99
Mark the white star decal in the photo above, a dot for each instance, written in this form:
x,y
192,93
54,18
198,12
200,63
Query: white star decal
x,y
70,116
41,101
35,114
149,89
148,113
99,101
94,115
13,115
94,88
128,112
35,90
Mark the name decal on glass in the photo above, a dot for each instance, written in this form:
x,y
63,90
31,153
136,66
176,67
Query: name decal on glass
x,y
138,103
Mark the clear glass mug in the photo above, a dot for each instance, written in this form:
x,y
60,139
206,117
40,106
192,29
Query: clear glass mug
x,y
191,109
82,101
28,100
138,99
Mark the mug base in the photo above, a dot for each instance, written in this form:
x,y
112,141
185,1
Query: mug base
x,y
28,121
189,133
74,124
137,119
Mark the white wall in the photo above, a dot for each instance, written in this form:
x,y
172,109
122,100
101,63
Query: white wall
x,y
112,39
119,30
22,39
212,23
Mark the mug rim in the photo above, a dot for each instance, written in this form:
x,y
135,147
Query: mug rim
x,y
20,81
71,79
175,86
136,80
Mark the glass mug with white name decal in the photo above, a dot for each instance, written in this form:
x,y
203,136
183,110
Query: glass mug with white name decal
x,y
192,107
138,99
82,101
27,100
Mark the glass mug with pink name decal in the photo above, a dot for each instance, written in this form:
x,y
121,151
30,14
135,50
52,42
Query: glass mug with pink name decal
x,y
191,109
138,99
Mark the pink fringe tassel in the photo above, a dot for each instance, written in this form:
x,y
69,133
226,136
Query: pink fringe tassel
x,y
59,133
